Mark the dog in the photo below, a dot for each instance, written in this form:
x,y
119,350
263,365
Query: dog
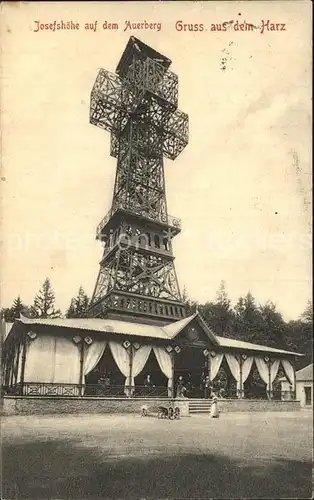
x,y
162,412
177,413
171,413
144,411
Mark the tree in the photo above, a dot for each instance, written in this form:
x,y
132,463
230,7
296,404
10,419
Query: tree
x,y
219,315
78,305
11,313
299,336
272,325
44,302
248,321
239,323
222,297
307,315
190,305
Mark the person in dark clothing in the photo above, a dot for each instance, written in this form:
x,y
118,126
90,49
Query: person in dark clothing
x,y
148,382
181,389
189,386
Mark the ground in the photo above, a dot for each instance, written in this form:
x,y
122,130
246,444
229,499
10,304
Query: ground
x,y
117,457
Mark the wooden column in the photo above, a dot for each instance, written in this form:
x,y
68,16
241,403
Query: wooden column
x,y
173,365
16,364
209,366
12,359
241,389
131,353
82,355
269,380
295,385
23,362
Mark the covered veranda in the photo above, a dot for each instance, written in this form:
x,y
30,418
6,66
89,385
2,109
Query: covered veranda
x,y
94,357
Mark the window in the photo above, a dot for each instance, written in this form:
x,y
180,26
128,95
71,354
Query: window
x,y
308,396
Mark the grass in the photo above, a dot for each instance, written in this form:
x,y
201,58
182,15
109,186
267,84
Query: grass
x,y
125,457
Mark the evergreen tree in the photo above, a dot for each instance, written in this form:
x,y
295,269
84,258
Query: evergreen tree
x,y
307,315
222,312
222,297
190,305
78,305
272,326
239,323
11,313
44,302
219,315
299,337
248,320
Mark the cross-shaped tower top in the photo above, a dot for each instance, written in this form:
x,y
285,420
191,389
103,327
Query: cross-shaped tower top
x,y
139,107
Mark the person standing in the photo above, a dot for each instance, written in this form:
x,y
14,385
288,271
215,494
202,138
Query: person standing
x,y
189,385
207,387
148,384
214,412
180,388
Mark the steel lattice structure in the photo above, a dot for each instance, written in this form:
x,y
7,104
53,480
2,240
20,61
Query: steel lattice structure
x,y
138,105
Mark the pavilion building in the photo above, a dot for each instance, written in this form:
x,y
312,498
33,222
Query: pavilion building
x,y
109,357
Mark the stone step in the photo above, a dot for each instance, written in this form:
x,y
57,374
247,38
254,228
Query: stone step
x,y
199,409
199,401
200,406
203,410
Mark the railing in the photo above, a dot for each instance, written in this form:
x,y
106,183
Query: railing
x,y
76,390
278,395
100,390
275,395
43,389
170,220
102,224
150,392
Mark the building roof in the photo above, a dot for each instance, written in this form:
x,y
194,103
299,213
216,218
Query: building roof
x,y
163,332
113,326
306,374
239,344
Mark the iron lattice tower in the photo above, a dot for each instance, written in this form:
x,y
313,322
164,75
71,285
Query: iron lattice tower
x,y
138,105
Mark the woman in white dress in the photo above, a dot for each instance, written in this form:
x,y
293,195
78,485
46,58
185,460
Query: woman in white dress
x,y
214,413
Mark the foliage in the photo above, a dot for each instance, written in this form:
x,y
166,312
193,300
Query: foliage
x,y
11,313
78,305
259,324
44,302
247,321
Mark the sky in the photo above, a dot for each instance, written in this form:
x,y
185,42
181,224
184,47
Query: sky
x,y
241,187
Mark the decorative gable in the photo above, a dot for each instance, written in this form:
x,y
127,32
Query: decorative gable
x,y
195,334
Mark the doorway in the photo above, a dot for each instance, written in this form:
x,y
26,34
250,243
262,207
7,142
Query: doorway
x,y
191,365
